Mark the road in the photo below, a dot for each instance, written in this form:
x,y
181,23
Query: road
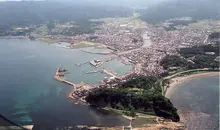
x,y
171,76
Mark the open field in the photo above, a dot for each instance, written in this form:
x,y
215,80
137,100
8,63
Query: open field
x,y
84,44
48,40
121,19
205,24
145,115
41,30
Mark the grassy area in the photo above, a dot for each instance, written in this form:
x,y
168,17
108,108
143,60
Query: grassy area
x,y
41,30
139,113
84,44
120,112
121,19
48,40
204,24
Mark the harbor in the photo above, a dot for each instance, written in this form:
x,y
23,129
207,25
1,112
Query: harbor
x,y
40,99
80,90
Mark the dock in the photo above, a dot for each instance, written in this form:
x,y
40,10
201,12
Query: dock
x,y
109,72
80,64
91,72
80,91
100,53
105,71
57,77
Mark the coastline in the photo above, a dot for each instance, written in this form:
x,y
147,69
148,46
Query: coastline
x,y
179,80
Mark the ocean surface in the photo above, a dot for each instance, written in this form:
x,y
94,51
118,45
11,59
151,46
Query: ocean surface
x,y
198,101
30,95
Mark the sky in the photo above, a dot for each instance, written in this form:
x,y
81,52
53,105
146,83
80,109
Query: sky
x,y
108,2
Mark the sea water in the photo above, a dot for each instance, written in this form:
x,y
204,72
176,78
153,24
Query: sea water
x,y
198,101
30,95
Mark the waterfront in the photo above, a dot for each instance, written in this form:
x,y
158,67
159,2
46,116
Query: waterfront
x,y
30,95
198,102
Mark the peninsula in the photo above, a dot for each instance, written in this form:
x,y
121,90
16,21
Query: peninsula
x,y
160,51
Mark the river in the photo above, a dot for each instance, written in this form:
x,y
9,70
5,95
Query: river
x,y
30,95
146,44
198,101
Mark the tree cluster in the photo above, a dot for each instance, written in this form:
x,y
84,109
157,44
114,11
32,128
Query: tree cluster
x,y
149,100
214,35
83,27
195,57
173,61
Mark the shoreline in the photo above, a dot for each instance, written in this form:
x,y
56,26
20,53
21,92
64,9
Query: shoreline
x,y
179,80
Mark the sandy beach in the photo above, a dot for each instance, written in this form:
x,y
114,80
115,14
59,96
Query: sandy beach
x,y
179,80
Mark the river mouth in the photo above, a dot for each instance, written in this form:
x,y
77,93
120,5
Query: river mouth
x,y
30,96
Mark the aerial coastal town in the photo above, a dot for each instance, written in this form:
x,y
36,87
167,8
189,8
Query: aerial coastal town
x,y
135,43
129,40
110,65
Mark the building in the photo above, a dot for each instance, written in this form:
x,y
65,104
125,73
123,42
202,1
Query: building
x,y
96,62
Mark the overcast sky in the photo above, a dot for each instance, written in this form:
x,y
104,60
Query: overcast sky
x,y
108,2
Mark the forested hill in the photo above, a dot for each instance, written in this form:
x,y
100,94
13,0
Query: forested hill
x,y
141,94
197,9
37,12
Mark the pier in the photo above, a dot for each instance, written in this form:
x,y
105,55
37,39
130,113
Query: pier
x,y
79,92
105,71
80,64
97,63
126,75
57,77
100,53
91,72
109,72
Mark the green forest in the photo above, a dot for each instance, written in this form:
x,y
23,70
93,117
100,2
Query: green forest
x,y
140,94
195,57
214,35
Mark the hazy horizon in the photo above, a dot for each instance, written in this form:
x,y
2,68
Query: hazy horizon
x,y
141,3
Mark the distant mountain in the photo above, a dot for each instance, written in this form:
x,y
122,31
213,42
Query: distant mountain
x,y
197,9
126,3
24,13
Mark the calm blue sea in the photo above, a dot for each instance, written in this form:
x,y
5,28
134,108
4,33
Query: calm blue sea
x,y
198,101
30,95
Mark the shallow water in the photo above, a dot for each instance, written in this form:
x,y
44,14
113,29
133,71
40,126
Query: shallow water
x,y
30,95
198,100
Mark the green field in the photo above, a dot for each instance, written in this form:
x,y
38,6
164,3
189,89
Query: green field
x,y
83,45
42,30
205,24
48,40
